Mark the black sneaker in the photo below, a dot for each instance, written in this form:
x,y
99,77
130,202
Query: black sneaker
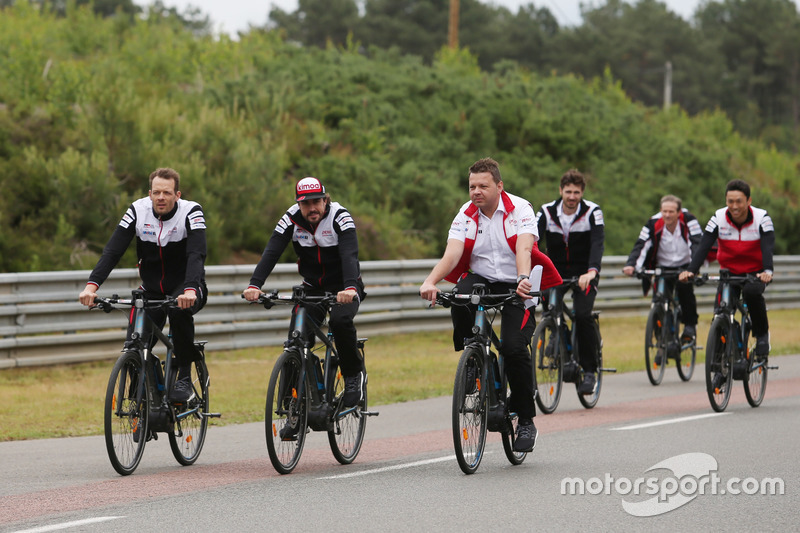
x,y
288,432
588,384
689,333
526,438
550,349
762,345
353,389
138,431
181,391
659,357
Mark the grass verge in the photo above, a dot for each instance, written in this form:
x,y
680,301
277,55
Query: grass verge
x,y
67,400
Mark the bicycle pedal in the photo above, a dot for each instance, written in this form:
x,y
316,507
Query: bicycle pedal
x,y
612,370
370,413
773,367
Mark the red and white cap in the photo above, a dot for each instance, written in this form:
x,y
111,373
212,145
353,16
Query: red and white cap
x,y
309,189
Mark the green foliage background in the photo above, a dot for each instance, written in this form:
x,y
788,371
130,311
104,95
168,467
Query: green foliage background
x,y
89,106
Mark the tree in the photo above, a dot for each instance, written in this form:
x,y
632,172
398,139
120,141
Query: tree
x,y
317,22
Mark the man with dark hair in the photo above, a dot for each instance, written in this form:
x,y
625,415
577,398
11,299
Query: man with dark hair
x,y
573,232
667,241
171,245
323,235
492,240
746,239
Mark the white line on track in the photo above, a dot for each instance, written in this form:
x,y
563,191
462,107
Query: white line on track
x,y
669,421
65,525
394,467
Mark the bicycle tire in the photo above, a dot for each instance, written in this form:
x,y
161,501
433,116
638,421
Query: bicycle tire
x,y
126,424
718,361
688,351
509,435
755,385
286,408
654,342
349,424
547,365
189,432
470,410
590,400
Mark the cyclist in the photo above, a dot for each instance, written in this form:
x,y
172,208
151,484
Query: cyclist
x,y
573,232
323,234
492,240
746,239
171,246
667,240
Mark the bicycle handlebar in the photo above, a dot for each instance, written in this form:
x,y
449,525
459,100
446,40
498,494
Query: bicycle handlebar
x,y
726,277
108,304
269,299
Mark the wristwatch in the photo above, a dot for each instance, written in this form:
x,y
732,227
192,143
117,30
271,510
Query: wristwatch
x,y
521,277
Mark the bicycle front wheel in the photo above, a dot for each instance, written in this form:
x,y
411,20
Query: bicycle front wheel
x,y
349,424
719,374
189,430
755,385
470,402
547,351
126,413
590,400
655,352
286,416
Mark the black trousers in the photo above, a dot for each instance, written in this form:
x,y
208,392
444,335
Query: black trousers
x,y
753,296
686,299
181,323
516,331
344,333
582,305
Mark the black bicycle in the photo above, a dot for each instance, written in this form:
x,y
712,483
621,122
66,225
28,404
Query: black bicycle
x,y
662,338
137,405
730,350
306,392
481,390
554,346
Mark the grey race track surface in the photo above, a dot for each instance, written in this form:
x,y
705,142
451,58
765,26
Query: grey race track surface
x,y
406,476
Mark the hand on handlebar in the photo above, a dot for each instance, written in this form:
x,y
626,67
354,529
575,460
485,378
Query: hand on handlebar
x,y
685,276
187,299
765,277
585,279
346,296
428,291
628,270
87,295
524,288
251,294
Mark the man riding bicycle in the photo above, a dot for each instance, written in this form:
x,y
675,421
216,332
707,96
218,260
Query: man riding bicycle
x,y
171,246
573,232
324,237
667,241
746,239
492,240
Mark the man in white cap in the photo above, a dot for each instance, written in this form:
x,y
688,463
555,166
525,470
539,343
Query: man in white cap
x,y
323,235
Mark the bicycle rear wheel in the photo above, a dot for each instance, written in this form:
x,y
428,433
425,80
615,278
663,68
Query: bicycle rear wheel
x,y
590,400
755,385
719,374
547,351
470,410
349,424
286,416
189,432
655,348
125,417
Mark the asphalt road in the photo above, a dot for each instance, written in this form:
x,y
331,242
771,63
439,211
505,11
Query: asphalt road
x,y
591,470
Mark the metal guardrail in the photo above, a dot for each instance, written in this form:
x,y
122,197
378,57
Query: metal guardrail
x,y
42,323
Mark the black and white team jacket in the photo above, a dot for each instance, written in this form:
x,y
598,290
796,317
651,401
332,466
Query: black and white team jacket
x,y
582,248
327,252
171,249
